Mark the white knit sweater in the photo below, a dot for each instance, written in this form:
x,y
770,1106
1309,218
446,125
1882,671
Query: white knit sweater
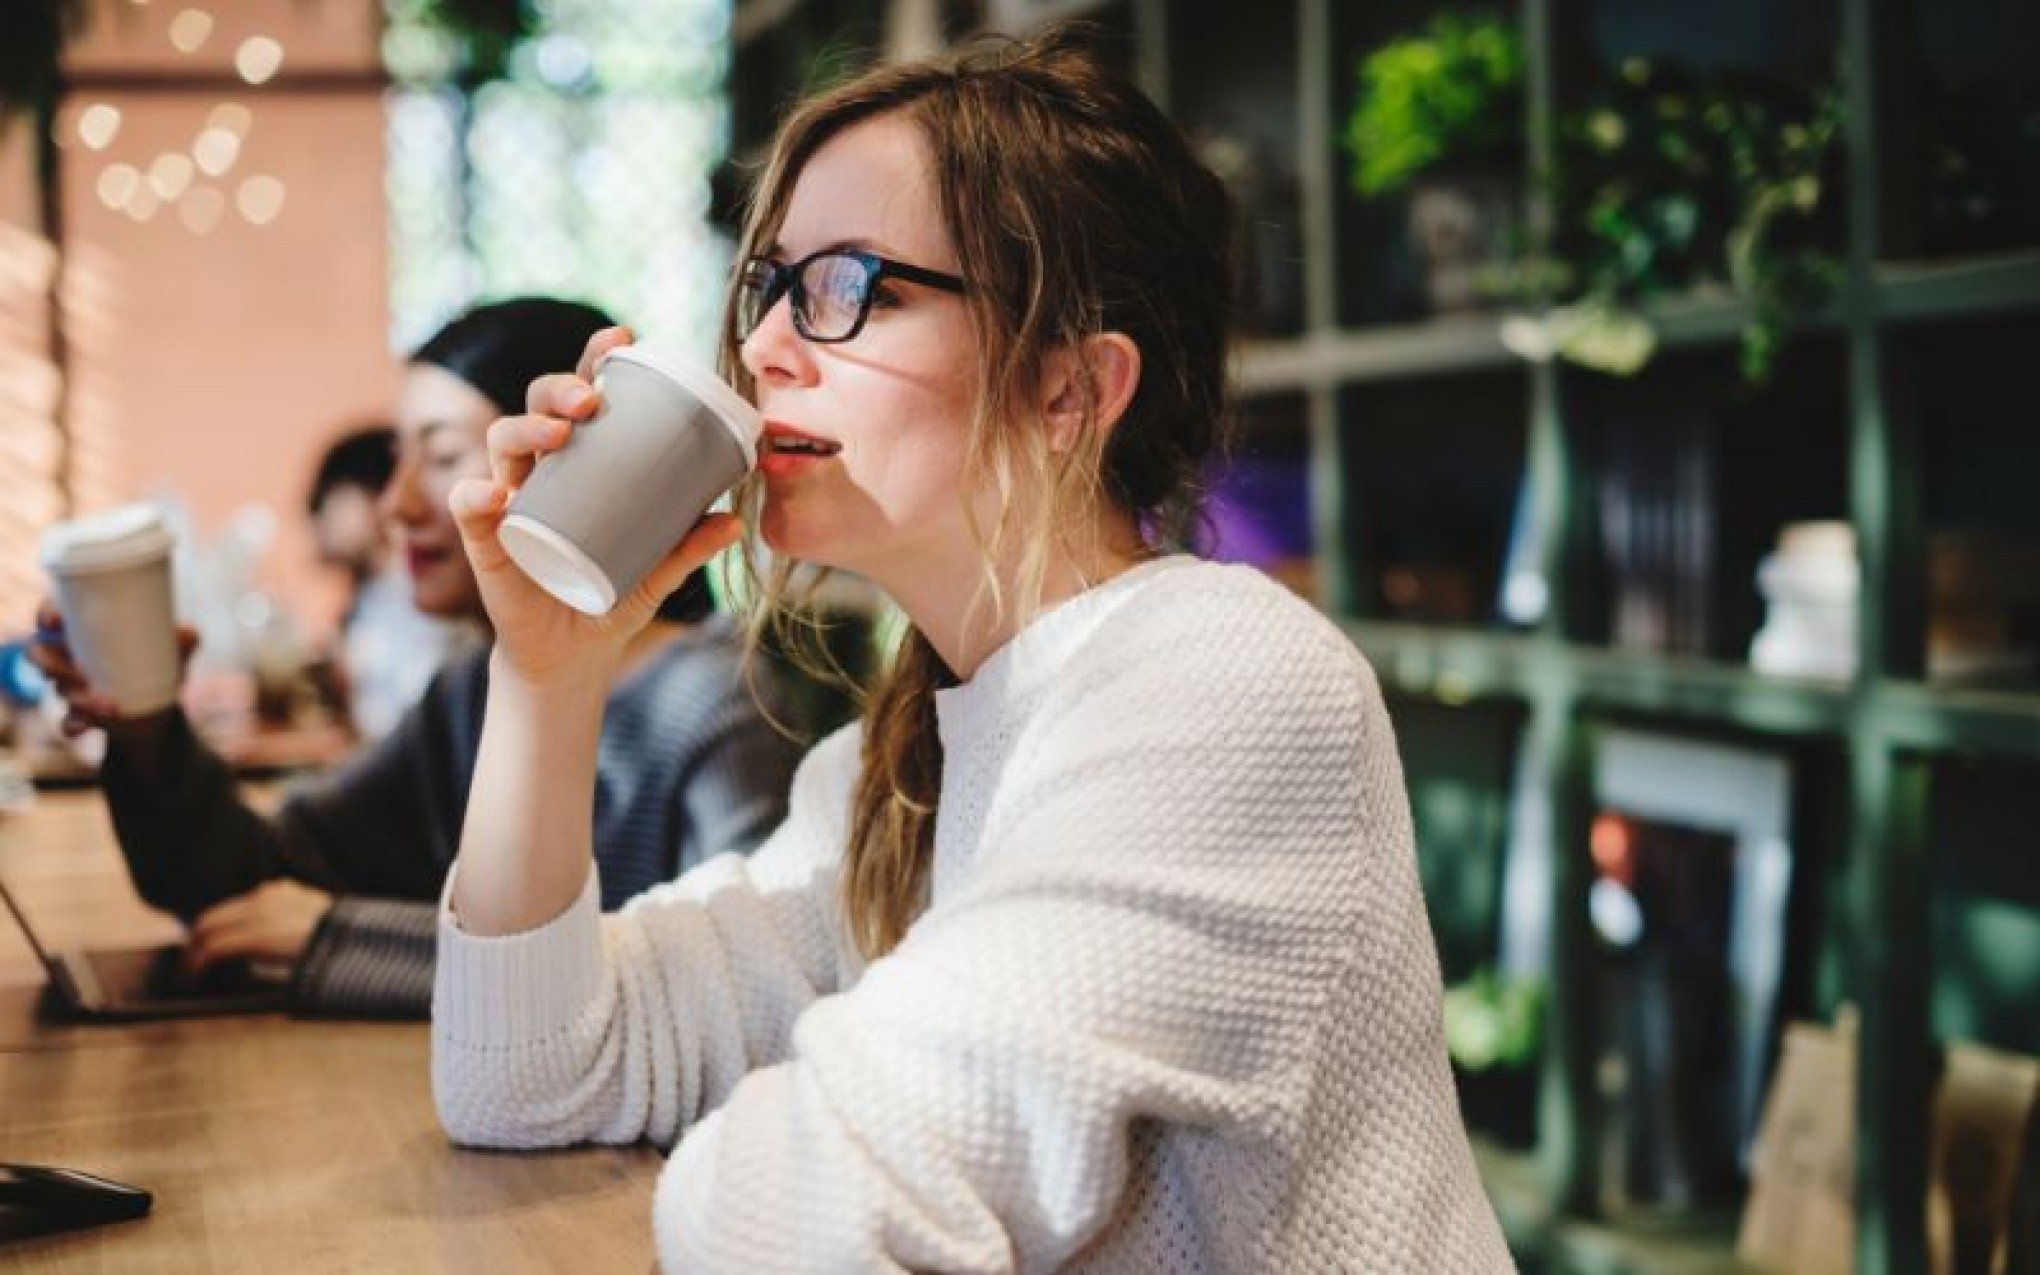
x,y
1173,1007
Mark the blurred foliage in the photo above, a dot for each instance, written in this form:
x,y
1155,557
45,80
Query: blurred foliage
x,y
1664,182
481,33
1491,1021
1454,90
1667,182
578,168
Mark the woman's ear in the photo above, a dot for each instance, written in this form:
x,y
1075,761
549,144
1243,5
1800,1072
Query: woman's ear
x,y
1099,386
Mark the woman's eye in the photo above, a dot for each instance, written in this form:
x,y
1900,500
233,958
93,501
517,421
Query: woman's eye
x,y
883,298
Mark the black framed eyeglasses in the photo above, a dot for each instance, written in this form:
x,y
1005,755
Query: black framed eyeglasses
x,y
832,291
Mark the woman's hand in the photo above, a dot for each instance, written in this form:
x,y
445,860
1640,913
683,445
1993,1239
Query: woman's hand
x,y
538,638
86,708
272,922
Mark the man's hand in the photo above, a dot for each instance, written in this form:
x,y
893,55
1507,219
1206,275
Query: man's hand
x,y
271,923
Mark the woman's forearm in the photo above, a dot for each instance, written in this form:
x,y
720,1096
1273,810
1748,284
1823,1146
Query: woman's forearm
x,y
526,843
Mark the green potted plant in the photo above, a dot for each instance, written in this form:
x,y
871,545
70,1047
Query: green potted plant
x,y
1438,126
1494,1029
1672,183
1665,182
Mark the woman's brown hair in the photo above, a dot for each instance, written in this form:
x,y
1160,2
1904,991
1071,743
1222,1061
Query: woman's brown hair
x,y
1076,209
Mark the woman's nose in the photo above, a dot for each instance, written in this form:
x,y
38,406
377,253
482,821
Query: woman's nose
x,y
775,353
399,501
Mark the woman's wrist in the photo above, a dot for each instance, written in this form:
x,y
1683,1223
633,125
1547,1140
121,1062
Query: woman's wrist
x,y
589,677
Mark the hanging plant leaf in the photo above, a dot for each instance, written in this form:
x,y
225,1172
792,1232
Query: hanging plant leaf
x,y
1453,90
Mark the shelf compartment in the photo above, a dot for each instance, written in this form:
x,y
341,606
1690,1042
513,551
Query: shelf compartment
x,y
1432,470
1965,168
1231,85
1984,903
1978,573
1693,475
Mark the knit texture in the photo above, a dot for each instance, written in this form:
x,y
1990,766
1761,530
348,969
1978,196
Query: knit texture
x,y
1174,1005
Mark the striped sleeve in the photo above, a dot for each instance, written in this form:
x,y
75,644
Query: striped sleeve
x,y
369,958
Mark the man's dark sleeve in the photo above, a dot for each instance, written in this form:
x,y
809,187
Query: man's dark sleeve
x,y
381,829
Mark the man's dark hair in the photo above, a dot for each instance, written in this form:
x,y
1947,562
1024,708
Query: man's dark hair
x,y
364,458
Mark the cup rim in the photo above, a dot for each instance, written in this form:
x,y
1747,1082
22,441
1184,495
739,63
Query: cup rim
x,y
737,415
123,536
557,564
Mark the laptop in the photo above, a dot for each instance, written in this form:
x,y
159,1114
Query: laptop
x,y
148,982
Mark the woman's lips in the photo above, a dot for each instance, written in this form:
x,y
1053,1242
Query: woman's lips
x,y
775,464
784,450
420,559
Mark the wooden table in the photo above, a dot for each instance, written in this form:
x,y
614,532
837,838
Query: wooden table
x,y
271,1144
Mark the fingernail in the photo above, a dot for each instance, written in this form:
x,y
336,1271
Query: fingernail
x,y
579,397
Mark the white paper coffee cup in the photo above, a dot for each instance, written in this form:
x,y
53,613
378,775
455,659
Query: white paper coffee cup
x,y
112,577
597,515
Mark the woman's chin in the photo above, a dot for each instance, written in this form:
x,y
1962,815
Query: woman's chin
x,y
445,599
786,538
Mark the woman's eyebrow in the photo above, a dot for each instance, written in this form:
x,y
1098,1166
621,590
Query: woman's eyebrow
x,y
858,243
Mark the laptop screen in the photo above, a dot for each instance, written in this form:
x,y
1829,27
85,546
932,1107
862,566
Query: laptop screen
x,y
28,931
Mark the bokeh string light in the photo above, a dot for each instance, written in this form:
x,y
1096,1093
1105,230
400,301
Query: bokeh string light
x,y
182,179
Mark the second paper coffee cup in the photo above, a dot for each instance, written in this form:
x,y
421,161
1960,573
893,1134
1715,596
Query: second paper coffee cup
x,y
597,515
112,576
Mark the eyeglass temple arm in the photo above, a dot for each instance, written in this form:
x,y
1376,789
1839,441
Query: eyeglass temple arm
x,y
927,278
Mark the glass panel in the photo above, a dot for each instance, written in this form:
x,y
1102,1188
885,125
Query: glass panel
x,y
583,173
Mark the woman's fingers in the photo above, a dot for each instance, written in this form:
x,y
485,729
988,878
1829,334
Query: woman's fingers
x,y
477,506
560,395
709,537
516,442
598,347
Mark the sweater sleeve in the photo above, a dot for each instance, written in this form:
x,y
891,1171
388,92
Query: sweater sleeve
x,y
610,1030
378,825
188,838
